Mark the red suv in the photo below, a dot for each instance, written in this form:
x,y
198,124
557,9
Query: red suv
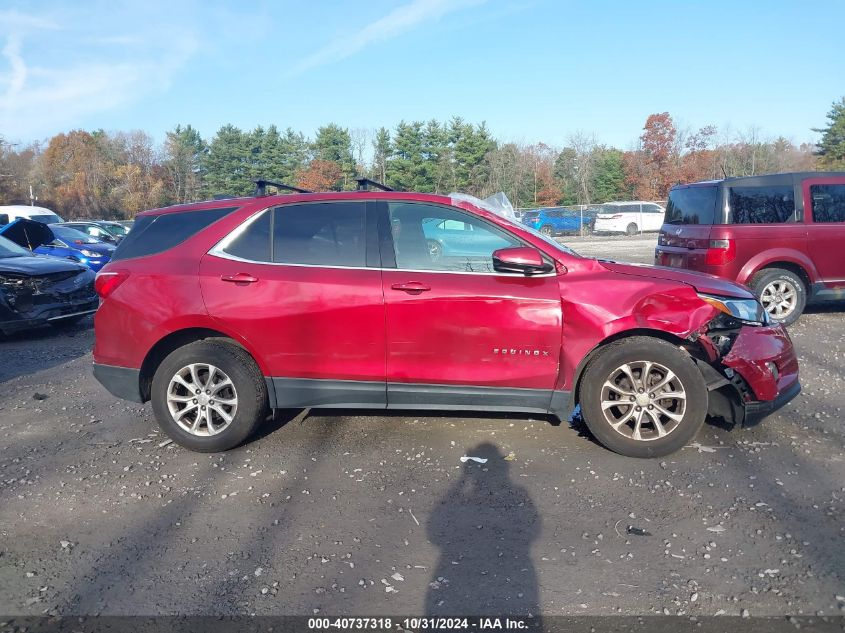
x,y
220,311
781,234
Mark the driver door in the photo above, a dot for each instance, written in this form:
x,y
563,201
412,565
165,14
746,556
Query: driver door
x,y
460,334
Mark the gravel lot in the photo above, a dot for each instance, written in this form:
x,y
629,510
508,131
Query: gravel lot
x,y
375,514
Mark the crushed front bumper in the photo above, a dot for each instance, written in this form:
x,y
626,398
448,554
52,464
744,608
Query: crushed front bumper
x,y
28,301
759,375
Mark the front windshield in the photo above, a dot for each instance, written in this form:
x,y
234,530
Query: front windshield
x,y
73,236
10,249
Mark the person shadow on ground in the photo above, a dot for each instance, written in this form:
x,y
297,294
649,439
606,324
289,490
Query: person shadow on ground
x,y
484,527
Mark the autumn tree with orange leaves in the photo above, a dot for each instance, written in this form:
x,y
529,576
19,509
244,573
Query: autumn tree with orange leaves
x,y
320,175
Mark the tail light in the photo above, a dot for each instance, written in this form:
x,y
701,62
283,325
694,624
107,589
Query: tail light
x,y
720,252
107,282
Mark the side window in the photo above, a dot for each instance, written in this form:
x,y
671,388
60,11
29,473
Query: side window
x,y
253,241
762,205
420,243
828,203
653,208
319,234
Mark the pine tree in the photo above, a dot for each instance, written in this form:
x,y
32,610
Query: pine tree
x,y
831,148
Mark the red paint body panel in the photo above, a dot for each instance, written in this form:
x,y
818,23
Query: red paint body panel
x,y
756,346
473,330
307,322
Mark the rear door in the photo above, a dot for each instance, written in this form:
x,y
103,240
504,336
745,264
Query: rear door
x,y
302,285
824,219
460,334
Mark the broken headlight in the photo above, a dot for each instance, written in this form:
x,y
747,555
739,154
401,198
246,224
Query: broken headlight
x,y
745,310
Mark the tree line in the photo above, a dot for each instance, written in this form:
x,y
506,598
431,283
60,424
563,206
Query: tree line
x,y
117,174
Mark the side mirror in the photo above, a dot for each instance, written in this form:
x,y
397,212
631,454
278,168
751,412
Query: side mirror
x,y
521,259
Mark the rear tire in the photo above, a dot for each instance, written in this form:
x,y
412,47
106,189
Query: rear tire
x,y
782,293
586,230
661,393
631,229
202,369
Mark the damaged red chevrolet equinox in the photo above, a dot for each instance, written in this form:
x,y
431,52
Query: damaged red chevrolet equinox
x,y
219,311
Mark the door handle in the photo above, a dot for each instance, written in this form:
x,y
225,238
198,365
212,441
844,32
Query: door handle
x,y
412,287
239,278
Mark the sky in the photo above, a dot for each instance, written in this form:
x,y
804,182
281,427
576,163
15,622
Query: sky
x,y
533,70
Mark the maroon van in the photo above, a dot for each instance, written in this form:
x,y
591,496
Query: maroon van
x,y
781,234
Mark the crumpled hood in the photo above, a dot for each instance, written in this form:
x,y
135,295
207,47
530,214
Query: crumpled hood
x,y
702,282
37,265
27,233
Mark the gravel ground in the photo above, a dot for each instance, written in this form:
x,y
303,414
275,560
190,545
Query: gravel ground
x,y
375,514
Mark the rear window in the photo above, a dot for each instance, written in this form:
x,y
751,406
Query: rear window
x,y
316,234
692,205
762,205
153,234
320,234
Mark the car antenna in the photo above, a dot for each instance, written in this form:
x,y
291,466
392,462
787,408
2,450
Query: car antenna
x,y
261,187
364,184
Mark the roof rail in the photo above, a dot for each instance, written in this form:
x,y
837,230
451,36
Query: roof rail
x,y
261,187
364,184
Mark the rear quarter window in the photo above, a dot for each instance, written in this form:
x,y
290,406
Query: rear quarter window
x,y
762,205
152,234
692,205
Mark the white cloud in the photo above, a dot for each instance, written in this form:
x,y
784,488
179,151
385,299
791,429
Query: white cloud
x,y
399,21
52,79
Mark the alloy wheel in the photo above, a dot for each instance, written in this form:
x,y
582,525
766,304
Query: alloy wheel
x,y
202,399
643,400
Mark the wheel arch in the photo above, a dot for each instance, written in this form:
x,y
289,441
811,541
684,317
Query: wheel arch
x,y
694,349
793,262
173,341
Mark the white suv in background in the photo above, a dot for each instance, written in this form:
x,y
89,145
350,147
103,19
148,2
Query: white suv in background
x,y
12,212
629,217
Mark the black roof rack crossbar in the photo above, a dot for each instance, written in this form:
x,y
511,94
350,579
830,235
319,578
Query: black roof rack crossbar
x,y
261,187
364,184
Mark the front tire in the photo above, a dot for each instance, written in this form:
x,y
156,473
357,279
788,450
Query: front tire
x,y
782,294
643,397
209,396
